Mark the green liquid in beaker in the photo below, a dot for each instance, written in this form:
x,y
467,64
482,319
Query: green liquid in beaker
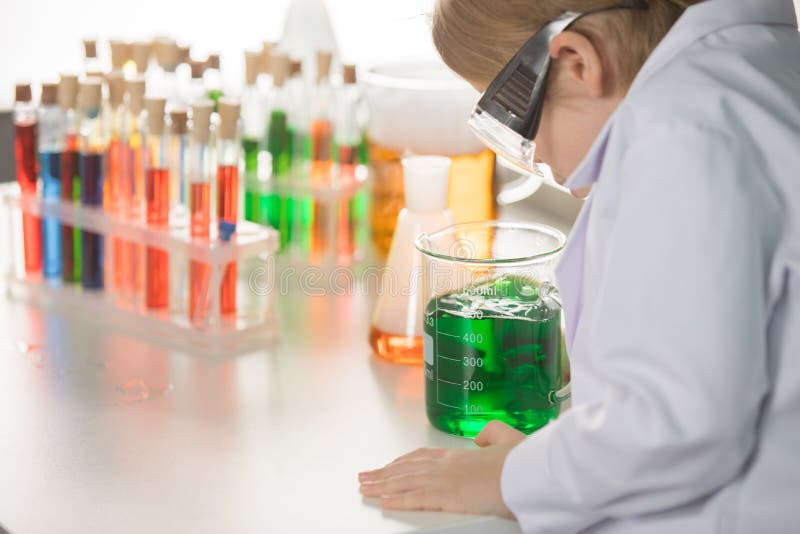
x,y
492,351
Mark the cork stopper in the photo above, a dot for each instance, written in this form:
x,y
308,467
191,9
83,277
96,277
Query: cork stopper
x,y
22,92
197,68
280,68
140,54
90,93
324,58
68,91
155,115
89,48
213,61
252,65
178,121
120,53
167,54
228,118
295,68
349,74
116,88
201,120
98,74
49,94
266,57
136,88
184,53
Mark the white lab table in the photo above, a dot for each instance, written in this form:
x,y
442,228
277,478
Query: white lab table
x,y
100,432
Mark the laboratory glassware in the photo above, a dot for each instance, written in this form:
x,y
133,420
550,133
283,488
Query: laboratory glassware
x,y
228,154
25,133
70,178
396,332
157,201
493,345
52,137
93,146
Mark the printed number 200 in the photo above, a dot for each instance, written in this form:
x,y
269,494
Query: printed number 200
x,y
473,385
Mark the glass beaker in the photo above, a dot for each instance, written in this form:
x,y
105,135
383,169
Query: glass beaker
x,y
493,343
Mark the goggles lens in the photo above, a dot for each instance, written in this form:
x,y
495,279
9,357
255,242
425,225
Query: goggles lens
x,y
504,141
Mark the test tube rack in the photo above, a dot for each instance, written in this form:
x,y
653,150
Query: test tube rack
x,y
253,325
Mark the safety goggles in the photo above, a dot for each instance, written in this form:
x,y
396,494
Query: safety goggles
x,y
507,116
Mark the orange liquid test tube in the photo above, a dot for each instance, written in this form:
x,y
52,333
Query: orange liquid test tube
x,y
228,194
200,172
157,211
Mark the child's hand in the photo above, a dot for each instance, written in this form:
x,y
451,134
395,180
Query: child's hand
x,y
448,480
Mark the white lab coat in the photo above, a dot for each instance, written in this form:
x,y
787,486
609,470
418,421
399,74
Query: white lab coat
x,y
681,290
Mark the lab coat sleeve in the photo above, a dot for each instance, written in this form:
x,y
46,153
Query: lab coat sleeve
x,y
678,345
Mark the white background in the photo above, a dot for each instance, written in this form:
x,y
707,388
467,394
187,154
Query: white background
x,y
40,38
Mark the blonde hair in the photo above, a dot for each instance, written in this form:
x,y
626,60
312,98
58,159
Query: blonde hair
x,y
476,38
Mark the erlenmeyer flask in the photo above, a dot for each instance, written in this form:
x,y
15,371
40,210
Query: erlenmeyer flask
x,y
396,333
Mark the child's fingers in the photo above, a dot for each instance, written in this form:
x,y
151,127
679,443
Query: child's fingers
x,y
404,467
497,432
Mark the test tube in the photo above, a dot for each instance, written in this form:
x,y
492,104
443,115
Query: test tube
x,y
254,114
117,194
348,137
52,134
168,56
93,146
212,79
228,154
140,55
265,64
321,129
196,90
280,208
134,272
70,178
178,145
25,129
120,56
157,199
90,62
321,175
200,171
297,92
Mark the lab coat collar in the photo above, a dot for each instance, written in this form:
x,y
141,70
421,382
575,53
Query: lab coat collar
x,y
696,22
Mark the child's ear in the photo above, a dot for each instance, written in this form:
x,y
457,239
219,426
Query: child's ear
x,y
581,61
